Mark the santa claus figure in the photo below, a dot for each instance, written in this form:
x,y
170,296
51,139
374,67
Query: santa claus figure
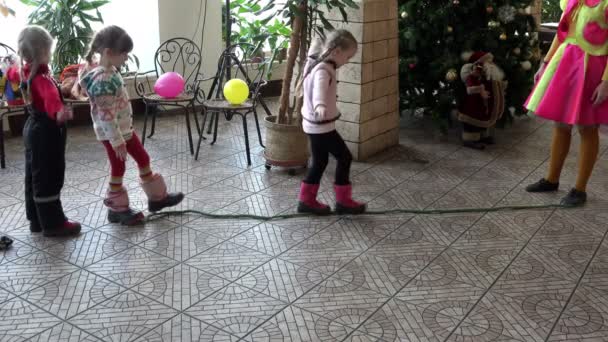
x,y
483,103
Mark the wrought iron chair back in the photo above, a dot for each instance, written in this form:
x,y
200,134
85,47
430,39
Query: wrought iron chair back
x,y
183,56
241,61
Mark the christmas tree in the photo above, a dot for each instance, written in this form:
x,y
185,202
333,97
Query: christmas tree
x,y
436,36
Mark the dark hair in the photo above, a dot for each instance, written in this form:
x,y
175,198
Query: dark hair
x,y
110,37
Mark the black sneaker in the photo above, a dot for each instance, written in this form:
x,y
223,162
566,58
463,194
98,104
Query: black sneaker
x,y
126,218
474,145
5,242
574,198
542,185
171,200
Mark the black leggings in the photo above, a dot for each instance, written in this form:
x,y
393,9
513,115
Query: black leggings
x,y
321,146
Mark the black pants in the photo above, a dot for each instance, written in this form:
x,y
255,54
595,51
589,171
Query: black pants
x,y
321,146
44,170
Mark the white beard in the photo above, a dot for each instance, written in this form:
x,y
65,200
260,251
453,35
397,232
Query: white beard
x,y
493,72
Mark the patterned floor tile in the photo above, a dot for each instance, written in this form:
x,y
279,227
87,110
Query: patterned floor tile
x,y
252,181
259,205
236,309
214,172
64,333
186,183
468,197
283,280
294,324
524,320
125,317
588,305
218,196
93,215
342,301
505,227
409,195
72,198
564,258
359,336
87,249
73,294
13,217
222,228
181,243
22,320
140,233
229,261
181,287
528,276
183,328
18,249
335,243
132,266
272,239
402,321
32,271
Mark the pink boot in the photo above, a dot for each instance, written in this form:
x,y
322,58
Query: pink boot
x,y
308,200
119,210
344,201
158,198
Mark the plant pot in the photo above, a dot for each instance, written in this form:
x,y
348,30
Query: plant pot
x,y
286,145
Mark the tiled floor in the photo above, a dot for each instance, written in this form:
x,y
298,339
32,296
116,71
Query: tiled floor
x,y
510,276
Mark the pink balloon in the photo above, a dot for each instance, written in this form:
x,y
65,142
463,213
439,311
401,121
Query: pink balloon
x,y
169,85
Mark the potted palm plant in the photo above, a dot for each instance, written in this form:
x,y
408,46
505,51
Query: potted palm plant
x,y
286,143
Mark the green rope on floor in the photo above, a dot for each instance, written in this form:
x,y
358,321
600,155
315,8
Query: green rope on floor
x,y
373,212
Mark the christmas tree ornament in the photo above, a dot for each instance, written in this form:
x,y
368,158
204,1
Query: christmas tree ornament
x,y
503,36
493,24
526,65
517,51
450,29
404,15
456,2
489,9
451,75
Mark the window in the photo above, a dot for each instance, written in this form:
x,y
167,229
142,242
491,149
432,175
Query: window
x,y
138,17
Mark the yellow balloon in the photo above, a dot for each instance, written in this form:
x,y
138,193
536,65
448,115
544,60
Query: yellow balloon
x,y
236,91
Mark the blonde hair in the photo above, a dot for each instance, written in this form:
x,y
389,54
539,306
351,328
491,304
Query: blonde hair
x,y
321,49
33,44
111,37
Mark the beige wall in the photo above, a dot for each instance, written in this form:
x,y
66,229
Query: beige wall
x,y
178,18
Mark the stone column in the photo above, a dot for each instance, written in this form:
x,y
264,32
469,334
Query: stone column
x,y
368,89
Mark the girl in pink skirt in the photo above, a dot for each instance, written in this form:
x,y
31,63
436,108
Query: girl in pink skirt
x,y
571,89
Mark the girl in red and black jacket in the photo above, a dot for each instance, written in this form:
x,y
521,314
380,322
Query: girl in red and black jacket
x,y
45,137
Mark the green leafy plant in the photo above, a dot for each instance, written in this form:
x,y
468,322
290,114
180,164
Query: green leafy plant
x,y
551,12
268,33
65,20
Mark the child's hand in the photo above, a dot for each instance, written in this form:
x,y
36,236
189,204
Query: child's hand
x,y
65,114
121,152
321,112
600,94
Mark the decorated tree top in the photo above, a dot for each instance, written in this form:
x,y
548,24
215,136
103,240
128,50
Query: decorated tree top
x,y
437,36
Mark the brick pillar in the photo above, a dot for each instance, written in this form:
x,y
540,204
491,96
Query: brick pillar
x,y
368,89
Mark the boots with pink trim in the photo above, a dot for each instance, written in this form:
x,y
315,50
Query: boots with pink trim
x,y
119,210
308,200
344,201
158,197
